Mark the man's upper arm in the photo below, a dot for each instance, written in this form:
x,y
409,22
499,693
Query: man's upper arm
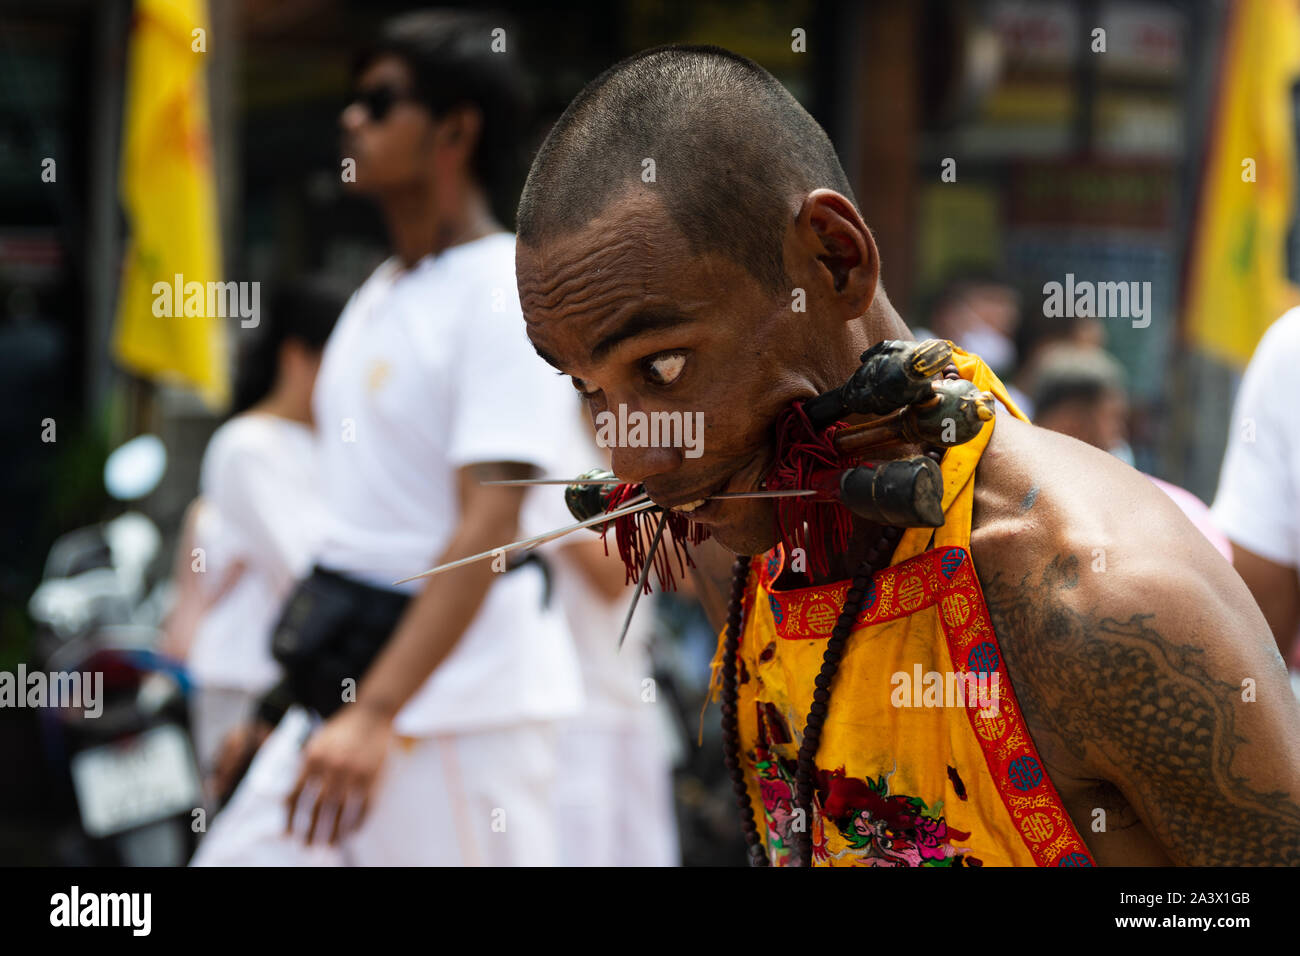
x,y
492,509
1276,588
1163,680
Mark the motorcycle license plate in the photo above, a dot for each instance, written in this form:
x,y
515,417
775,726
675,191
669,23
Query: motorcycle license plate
x,y
146,778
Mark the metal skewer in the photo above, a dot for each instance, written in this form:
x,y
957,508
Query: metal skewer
x,y
555,481
788,493
551,535
534,540
645,573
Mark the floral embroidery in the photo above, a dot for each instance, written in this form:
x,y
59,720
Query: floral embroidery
x,y
776,786
880,828
884,829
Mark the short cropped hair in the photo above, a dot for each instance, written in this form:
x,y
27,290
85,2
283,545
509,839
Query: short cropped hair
x,y
734,153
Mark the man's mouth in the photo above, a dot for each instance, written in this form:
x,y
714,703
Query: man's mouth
x,y
689,505
698,505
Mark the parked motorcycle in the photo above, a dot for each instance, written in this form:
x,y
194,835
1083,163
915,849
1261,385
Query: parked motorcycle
x,y
121,755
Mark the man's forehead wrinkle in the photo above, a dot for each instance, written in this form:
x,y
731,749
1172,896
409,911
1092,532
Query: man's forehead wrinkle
x,y
592,277
599,302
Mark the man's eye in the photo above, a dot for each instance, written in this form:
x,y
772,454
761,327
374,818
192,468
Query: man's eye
x,y
665,369
581,386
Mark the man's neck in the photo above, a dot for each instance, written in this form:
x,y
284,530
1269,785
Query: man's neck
x,y
423,221
282,405
881,322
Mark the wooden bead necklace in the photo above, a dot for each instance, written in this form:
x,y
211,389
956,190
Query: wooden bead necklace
x,y
876,558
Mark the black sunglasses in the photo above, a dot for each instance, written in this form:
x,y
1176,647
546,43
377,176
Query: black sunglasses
x,y
380,100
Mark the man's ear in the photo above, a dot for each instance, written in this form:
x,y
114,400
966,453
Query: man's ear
x,y
829,228
461,128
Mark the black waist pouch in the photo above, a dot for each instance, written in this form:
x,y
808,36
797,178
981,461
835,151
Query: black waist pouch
x,y
331,630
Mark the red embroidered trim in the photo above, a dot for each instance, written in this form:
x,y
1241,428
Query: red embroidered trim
x,y
809,614
946,577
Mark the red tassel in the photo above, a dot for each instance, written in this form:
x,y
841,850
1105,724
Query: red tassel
x,y
811,523
633,534
804,457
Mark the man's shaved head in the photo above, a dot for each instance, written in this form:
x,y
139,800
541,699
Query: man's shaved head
x,y
734,155
679,295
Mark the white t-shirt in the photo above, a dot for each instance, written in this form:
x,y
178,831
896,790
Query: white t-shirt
x,y
1258,499
260,508
428,370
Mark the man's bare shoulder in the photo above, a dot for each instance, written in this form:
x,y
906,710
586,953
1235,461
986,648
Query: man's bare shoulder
x,y
1040,494
1136,653
1073,529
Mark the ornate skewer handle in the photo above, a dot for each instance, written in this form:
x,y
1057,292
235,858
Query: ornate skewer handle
x,y
907,493
953,416
893,373
586,500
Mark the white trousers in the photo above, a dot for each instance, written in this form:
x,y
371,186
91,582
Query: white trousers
x,y
614,800
480,798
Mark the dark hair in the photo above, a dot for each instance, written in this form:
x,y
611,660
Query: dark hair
x,y
1076,375
302,311
733,150
452,62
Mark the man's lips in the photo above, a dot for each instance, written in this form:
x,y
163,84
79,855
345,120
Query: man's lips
x,y
696,503
686,502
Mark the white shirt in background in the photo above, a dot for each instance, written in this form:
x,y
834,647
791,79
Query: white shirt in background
x,y
429,369
1257,501
260,508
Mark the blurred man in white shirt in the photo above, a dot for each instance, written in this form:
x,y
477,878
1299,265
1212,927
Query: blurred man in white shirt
x,y
427,389
1258,501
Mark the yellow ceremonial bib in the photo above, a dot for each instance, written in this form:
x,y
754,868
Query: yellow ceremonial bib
x,y
924,758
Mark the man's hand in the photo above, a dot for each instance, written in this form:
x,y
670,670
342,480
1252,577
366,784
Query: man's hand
x,y
342,760
340,765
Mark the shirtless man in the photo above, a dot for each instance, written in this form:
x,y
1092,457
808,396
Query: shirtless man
x,y
1145,673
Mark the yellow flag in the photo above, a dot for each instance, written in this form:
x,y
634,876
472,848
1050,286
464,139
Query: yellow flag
x,y
1237,284
170,202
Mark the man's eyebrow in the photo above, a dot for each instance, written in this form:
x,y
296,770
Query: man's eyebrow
x,y
547,359
640,323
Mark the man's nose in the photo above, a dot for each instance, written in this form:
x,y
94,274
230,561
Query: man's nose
x,y
637,465
352,117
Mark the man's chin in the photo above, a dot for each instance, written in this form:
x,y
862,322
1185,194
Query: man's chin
x,y
745,527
